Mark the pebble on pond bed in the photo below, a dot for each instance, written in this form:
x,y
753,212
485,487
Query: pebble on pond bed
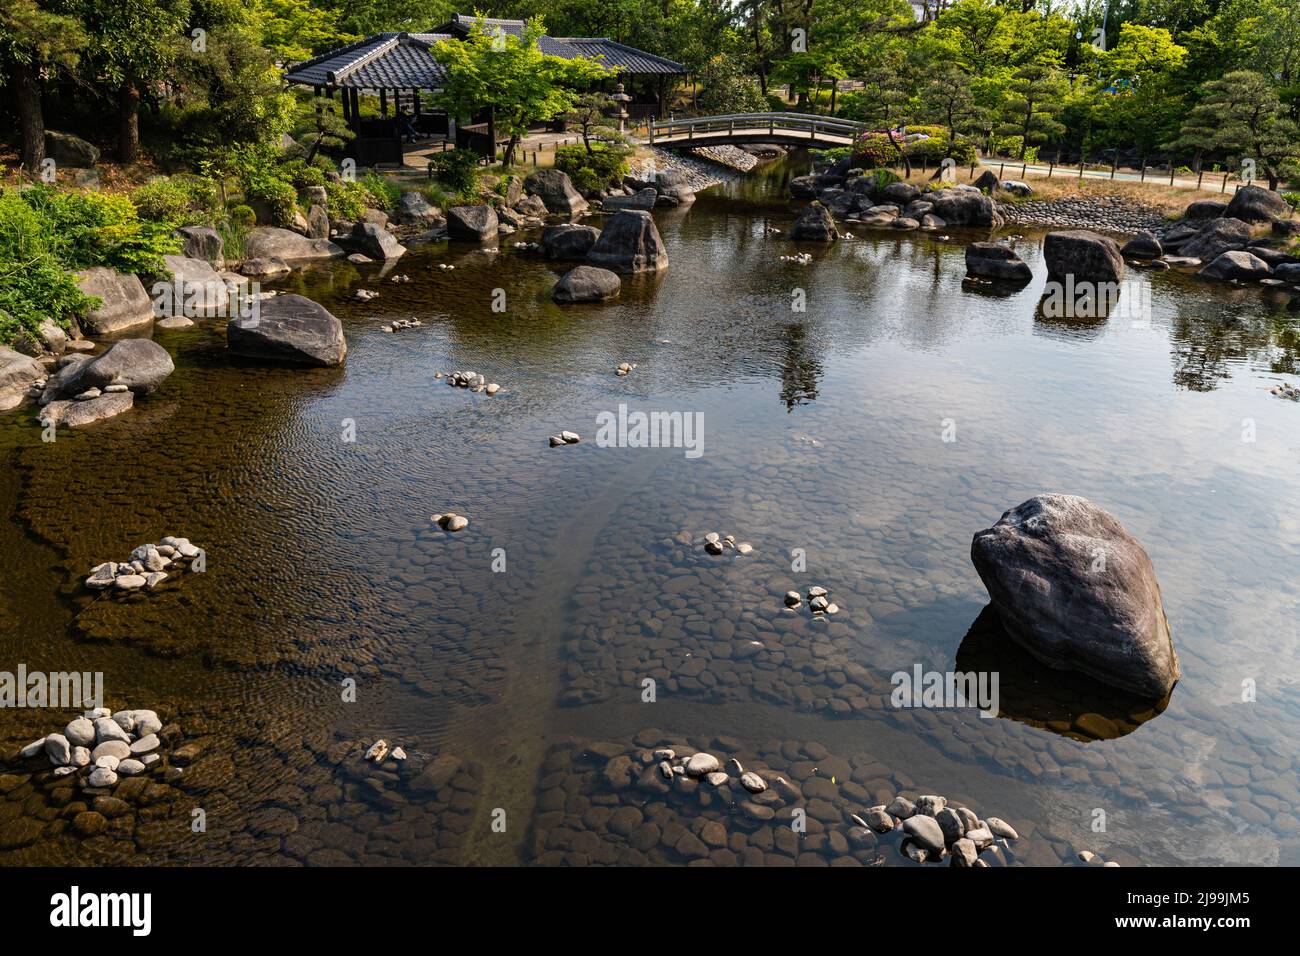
x,y
565,438
716,544
125,745
450,521
146,568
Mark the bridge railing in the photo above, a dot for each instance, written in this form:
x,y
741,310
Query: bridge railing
x,y
783,123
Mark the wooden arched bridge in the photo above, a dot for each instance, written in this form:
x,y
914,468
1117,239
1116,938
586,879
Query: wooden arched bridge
x,y
784,129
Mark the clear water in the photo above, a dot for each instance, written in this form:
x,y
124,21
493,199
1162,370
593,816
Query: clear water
x,y
823,431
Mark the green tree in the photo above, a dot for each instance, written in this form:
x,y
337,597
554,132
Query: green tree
x,y
591,116
33,40
513,77
1242,115
1035,97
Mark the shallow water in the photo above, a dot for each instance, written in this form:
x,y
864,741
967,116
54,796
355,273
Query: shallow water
x,y
823,431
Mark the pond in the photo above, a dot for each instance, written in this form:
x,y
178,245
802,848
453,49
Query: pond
x,y
857,444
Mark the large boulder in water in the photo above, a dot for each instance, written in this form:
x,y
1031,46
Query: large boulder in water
x,y
675,184
815,224
267,242
1215,238
1238,264
123,302
629,243
1078,592
472,223
139,364
195,290
1087,256
965,207
373,240
587,284
289,328
993,260
17,373
1145,245
1258,205
554,188
568,241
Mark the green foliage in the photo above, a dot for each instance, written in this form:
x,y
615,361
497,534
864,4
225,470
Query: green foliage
x,y
726,88
242,217
34,283
102,229
512,75
384,193
178,201
456,169
347,200
604,166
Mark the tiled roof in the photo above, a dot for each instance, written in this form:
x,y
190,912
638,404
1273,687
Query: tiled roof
x,y
406,60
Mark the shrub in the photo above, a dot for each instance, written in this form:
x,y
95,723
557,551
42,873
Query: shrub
x,y
384,193
34,282
178,200
457,169
594,171
280,197
102,229
1293,198
243,217
347,200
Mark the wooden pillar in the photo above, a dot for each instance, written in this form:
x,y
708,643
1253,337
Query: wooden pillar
x,y
383,101
418,104
355,98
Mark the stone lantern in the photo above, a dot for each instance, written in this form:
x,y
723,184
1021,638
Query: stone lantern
x,y
619,110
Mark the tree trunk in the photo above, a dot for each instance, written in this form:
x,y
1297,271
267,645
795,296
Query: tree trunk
x,y
128,121
31,119
902,154
509,157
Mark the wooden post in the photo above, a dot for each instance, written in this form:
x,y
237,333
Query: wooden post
x,y
1143,177
1050,167
383,102
1224,187
1002,167
1113,164
1171,174
1023,167
1080,167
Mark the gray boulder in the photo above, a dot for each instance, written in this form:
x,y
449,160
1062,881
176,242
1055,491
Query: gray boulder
x,y
17,373
900,193
987,182
203,242
674,184
139,364
815,224
291,329
472,223
1078,592
263,268
68,150
1215,238
993,260
268,242
587,284
555,189
123,302
568,241
373,240
1286,228
965,207
414,210
629,243
1205,209
318,222
1087,256
1288,272
196,289
74,414
1239,264
1258,205
643,199
1143,246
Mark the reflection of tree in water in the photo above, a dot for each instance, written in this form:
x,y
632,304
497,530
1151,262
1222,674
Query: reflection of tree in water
x,y
800,370
1205,349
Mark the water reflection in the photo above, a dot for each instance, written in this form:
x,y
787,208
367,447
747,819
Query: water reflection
x,y
800,369
1030,692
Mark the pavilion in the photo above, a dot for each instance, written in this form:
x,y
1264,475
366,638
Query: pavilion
x,y
401,67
